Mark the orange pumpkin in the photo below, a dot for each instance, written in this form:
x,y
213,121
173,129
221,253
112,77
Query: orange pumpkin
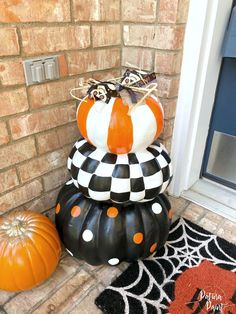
x,y
29,250
115,128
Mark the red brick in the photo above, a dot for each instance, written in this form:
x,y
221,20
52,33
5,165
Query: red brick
x,y
6,296
62,300
92,268
169,106
101,10
106,35
34,11
41,165
43,202
139,10
174,87
9,40
68,134
168,129
4,137
63,67
48,141
13,101
123,266
227,230
39,121
167,143
57,138
66,269
178,204
229,226
8,180
17,152
106,75
160,36
168,62
21,207
37,40
55,179
51,93
183,11
168,11
87,305
20,195
71,303
139,35
210,224
51,214
193,212
173,11
138,58
11,72
167,86
93,60
107,275
178,37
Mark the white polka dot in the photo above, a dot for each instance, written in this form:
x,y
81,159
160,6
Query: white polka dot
x,y
69,182
156,208
87,235
69,252
113,261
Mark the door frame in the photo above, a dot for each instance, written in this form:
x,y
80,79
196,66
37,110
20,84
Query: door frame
x,y
202,58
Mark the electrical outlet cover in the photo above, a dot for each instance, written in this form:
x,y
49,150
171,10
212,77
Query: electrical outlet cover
x,y
42,69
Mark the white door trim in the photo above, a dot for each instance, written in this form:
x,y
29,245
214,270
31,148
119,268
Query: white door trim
x,y
213,196
207,22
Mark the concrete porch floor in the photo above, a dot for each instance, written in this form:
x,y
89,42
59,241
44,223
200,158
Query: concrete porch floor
x,y
75,285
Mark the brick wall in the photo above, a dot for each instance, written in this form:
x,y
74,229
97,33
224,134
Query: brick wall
x,y
37,123
153,33
94,38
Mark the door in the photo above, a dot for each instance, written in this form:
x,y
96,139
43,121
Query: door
x,y
219,163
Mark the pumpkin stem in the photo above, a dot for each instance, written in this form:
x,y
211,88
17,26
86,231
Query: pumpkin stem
x,y
15,228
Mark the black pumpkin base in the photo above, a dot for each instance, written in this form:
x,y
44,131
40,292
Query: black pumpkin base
x,y
101,233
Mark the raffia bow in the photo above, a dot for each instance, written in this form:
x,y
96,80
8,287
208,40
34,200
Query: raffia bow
x,y
133,81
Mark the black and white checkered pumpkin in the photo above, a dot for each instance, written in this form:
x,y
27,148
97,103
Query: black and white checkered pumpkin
x,y
133,177
99,232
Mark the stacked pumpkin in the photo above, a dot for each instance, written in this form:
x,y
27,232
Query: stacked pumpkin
x,y
113,209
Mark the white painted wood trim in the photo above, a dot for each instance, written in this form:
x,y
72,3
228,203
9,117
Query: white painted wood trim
x,y
205,193
213,189
205,29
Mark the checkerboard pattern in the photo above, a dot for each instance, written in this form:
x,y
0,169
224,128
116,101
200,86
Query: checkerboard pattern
x,y
134,177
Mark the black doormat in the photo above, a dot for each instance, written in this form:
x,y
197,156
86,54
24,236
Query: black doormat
x,y
194,273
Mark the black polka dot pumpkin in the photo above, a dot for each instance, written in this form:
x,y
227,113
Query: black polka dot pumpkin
x,y
99,232
132,177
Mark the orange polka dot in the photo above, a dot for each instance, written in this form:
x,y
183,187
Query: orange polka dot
x,y
58,208
170,214
138,238
75,211
153,247
112,212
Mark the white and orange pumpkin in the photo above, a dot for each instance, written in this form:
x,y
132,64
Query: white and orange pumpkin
x,y
115,128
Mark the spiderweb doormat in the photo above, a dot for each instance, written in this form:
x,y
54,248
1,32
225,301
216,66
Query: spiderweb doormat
x,y
194,273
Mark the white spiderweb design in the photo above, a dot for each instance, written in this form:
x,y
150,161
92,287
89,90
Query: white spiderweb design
x,y
186,247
